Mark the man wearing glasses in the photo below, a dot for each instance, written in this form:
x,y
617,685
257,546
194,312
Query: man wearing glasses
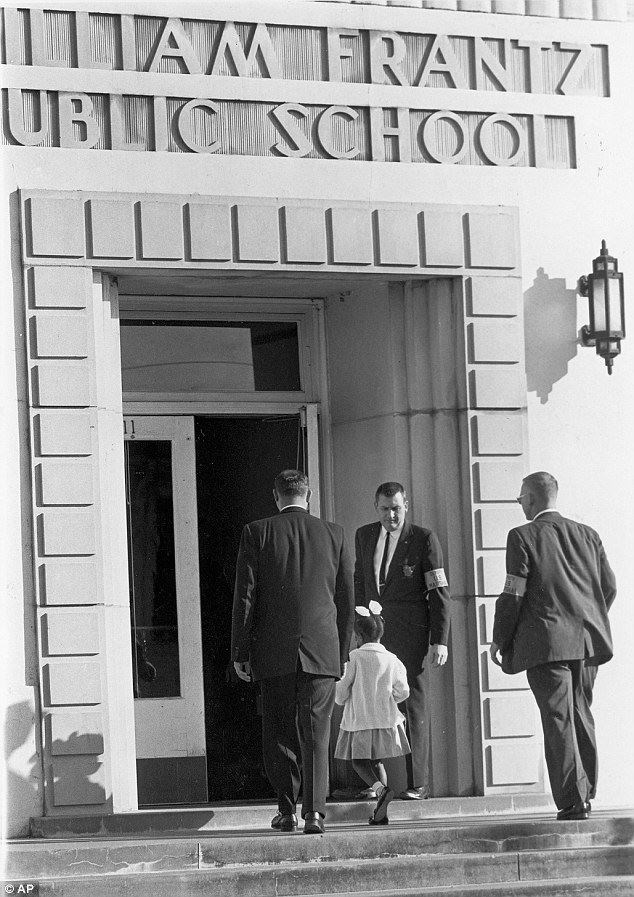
x,y
552,621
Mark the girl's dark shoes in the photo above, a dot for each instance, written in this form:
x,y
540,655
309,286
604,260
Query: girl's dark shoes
x,y
379,817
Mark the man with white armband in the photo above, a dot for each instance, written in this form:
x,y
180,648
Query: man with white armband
x,y
400,565
552,621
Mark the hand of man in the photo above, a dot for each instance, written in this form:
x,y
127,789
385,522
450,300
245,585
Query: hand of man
x,y
439,655
496,657
243,670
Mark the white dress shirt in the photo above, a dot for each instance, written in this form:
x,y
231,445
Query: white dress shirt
x,y
378,552
545,511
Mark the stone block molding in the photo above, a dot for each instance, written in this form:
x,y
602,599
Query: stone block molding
x,y
129,230
74,244
82,595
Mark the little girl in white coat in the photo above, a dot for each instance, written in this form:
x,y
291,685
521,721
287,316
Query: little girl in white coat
x,y
373,683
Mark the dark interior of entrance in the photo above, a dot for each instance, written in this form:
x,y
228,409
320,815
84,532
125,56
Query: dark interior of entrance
x,y
236,461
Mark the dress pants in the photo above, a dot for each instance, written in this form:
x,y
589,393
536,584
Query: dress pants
x,y
416,711
563,691
296,713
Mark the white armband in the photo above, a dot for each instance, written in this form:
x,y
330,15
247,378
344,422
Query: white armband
x,y
514,585
436,579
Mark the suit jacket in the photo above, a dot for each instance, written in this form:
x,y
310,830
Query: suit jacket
x,y
569,587
293,598
414,615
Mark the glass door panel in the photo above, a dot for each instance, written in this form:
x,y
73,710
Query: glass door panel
x,y
165,603
153,605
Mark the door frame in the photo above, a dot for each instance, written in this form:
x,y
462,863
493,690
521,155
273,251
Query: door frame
x,y
309,315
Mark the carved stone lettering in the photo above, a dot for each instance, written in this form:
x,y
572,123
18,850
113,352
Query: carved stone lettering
x,y
185,130
76,109
127,37
571,79
487,140
174,44
260,50
117,128
324,131
535,63
441,58
91,39
16,123
487,61
363,133
83,43
337,51
429,135
387,54
286,118
159,124
12,37
37,37
400,133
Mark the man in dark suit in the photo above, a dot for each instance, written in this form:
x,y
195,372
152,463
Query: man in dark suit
x,y
293,612
552,621
401,566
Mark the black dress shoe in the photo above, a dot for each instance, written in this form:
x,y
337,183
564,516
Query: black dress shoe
x,y
580,810
284,822
421,793
313,824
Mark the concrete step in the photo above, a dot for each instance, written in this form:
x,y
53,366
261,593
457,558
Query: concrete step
x,y
595,871
617,886
238,816
500,836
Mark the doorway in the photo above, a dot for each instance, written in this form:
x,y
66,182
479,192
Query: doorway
x,y
192,485
236,461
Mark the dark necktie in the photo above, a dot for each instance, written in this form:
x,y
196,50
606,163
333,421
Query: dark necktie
x,y
384,561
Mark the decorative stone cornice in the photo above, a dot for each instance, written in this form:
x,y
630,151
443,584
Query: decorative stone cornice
x,y
598,10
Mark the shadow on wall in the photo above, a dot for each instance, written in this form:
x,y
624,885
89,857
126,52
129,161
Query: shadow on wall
x,y
550,332
75,776
21,791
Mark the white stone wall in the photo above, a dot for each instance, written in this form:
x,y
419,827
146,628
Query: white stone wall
x,y
580,420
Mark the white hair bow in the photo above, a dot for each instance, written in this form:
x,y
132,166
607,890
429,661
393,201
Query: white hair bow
x,y
374,608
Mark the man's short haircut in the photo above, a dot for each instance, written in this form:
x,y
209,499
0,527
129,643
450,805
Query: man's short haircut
x,y
291,483
389,490
542,485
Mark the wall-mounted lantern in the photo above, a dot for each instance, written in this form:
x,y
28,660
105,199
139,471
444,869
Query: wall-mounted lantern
x,y
604,289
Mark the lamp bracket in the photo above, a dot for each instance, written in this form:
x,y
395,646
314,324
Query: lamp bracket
x,y
582,285
586,339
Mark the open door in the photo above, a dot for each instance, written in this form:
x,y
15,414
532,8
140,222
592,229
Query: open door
x,y
165,609
310,426
237,459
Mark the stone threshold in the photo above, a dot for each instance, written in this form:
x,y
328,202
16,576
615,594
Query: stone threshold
x,y
230,816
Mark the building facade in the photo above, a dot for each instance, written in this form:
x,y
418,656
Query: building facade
x,y
341,236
